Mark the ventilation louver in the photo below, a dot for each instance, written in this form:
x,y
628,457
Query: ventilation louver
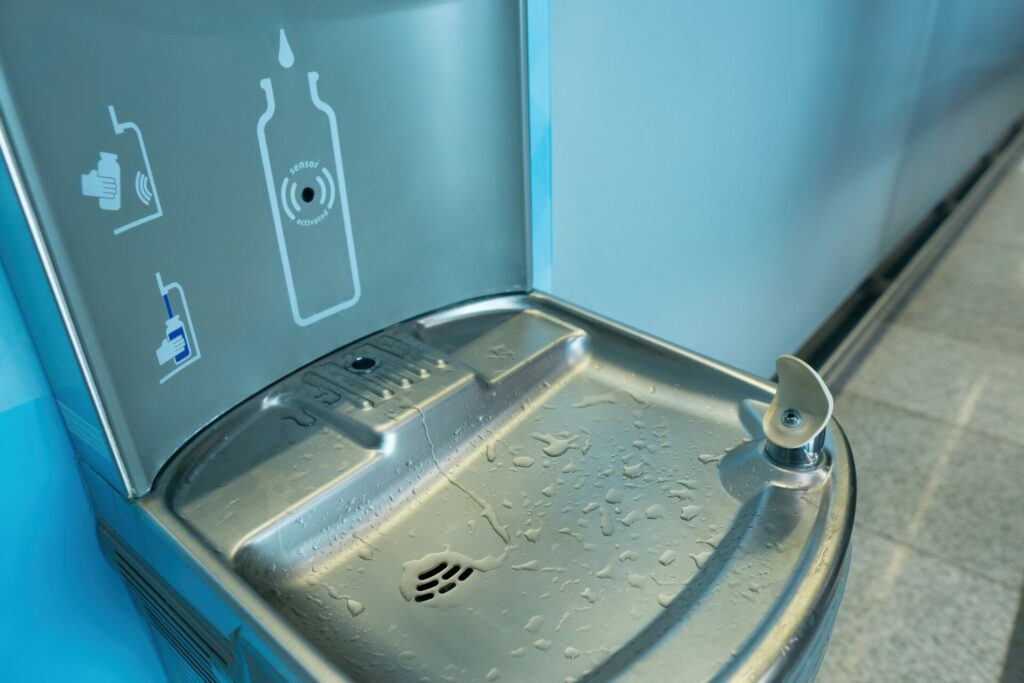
x,y
193,647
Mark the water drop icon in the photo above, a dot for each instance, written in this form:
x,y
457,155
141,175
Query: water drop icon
x,y
285,56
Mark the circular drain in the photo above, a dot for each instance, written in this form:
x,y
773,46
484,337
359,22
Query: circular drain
x,y
439,580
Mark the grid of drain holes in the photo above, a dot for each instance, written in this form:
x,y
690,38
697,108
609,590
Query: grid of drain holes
x,y
433,582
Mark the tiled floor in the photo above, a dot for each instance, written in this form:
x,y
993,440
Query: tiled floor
x,y
935,414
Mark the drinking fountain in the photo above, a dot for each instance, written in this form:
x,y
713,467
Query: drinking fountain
x,y
393,458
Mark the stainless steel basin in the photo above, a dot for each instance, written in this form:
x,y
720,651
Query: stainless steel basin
x,y
516,489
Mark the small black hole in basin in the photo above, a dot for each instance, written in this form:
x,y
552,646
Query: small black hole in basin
x,y
307,194
465,573
427,586
431,572
445,588
363,363
451,572
424,597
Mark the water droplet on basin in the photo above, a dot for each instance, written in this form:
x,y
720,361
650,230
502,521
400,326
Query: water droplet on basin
x,y
596,400
633,471
607,523
689,512
701,558
631,517
556,444
526,566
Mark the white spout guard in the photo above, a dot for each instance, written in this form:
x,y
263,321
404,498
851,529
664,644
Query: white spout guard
x,y
801,389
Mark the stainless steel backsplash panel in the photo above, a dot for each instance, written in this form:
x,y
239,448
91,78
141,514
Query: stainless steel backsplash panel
x,y
223,193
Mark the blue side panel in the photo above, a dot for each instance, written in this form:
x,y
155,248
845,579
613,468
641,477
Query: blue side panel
x,y
19,257
538,29
66,615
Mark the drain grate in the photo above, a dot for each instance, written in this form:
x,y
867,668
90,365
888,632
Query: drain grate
x,y
433,578
439,580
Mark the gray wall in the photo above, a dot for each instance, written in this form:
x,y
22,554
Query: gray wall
x,y
724,175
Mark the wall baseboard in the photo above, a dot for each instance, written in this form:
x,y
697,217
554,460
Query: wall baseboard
x,y
855,323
